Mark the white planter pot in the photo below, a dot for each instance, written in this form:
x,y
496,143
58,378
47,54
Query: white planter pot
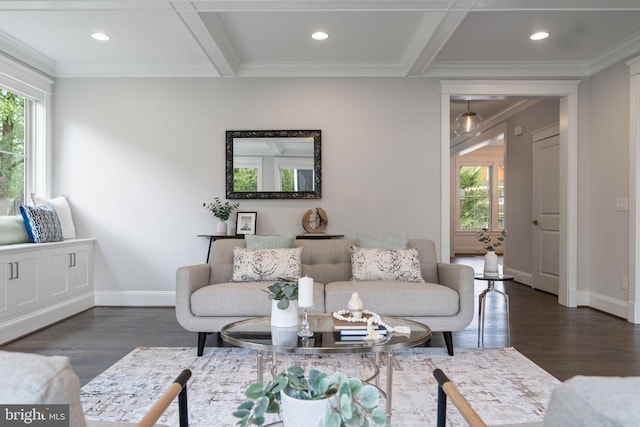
x,y
303,413
284,318
491,264
221,228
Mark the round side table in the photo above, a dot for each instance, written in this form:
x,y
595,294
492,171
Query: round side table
x,y
481,300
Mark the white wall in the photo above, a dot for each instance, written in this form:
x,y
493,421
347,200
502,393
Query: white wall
x,y
607,230
138,157
519,183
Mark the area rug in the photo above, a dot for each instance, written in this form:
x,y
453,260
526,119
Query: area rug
x,y
500,383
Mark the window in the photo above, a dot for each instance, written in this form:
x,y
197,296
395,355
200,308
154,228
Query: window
x,y
13,152
25,98
481,199
294,174
247,174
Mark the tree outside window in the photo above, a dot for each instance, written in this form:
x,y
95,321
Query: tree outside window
x,y
12,152
475,197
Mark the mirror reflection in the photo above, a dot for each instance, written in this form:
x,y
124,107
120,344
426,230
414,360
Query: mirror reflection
x,y
280,164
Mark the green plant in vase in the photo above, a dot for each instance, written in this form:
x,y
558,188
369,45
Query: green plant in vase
x,y
488,244
220,210
349,402
284,291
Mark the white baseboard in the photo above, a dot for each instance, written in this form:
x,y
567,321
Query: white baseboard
x,y
46,316
604,303
519,276
136,298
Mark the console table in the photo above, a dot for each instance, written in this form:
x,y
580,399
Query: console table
x,y
213,237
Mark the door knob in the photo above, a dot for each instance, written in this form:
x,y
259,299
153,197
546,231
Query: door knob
x,y
534,222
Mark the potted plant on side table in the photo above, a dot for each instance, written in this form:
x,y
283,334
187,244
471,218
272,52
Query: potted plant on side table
x,y
342,401
490,258
221,211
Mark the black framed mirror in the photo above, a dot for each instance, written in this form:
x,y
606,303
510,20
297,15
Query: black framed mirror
x,y
273,164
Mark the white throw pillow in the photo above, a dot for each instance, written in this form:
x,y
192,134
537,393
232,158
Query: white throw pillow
x,y
61,205
265,264
401,265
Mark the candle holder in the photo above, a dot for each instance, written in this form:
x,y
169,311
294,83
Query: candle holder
x,y
304,331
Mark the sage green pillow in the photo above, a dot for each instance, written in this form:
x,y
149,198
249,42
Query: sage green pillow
x,y
284,241
13,231
396,241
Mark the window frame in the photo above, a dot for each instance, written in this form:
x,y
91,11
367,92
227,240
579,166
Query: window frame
x,y
36,88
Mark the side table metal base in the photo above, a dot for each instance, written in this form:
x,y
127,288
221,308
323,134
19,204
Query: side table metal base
x,y
481,304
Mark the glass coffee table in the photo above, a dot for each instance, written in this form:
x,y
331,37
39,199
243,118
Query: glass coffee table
x,y
258,334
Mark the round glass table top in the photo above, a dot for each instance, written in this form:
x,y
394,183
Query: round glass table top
x,y
258,334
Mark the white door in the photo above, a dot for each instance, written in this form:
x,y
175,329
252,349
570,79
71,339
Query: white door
x,y
546,214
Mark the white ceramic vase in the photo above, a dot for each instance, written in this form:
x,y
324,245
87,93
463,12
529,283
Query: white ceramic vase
x,y
284,318
221,228
303,413
491,264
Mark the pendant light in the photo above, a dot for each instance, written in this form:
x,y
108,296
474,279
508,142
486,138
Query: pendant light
x,y
468,123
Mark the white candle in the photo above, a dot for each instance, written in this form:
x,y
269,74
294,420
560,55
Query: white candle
x,y
305,292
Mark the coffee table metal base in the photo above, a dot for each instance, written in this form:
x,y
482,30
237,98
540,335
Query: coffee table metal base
x,y
257,334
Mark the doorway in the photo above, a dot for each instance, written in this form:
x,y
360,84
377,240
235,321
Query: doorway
x,y
568,91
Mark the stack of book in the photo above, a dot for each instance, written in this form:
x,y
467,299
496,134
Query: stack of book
x,y
353,331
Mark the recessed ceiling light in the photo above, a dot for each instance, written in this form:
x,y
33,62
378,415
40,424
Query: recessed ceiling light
x,y
319,35
101,36
541,35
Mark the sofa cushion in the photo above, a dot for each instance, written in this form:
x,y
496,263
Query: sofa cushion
x,y
243,300
265,264
42,223
403,299
12,230
396,241
61,205
385,264
253,241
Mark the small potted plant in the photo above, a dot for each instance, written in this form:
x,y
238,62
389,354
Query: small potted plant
x,y
343,401
221,211
284,302
490,258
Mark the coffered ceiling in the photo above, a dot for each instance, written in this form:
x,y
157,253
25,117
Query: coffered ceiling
x,y
264,38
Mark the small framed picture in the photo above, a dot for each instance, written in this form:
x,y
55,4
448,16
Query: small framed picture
x,y
246,223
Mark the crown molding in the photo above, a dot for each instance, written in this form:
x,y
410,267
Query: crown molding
x,y
624,49
341,69
26,54
478,69
75,70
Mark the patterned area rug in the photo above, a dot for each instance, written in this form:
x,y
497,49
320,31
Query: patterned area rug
x,y
500,383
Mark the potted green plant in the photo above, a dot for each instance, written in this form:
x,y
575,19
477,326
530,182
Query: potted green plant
x,y
221,211
346,401
490,258
284,297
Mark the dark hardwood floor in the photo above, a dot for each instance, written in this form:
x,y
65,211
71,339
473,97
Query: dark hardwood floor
x,y
563,341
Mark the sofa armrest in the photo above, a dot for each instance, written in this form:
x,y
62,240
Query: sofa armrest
x,y
189,279
459,278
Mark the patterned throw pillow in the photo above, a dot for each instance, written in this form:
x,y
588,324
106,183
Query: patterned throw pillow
x,y
265,264
401,265
42,223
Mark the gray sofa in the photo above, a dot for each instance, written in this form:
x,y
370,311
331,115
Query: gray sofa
x,y
206,300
